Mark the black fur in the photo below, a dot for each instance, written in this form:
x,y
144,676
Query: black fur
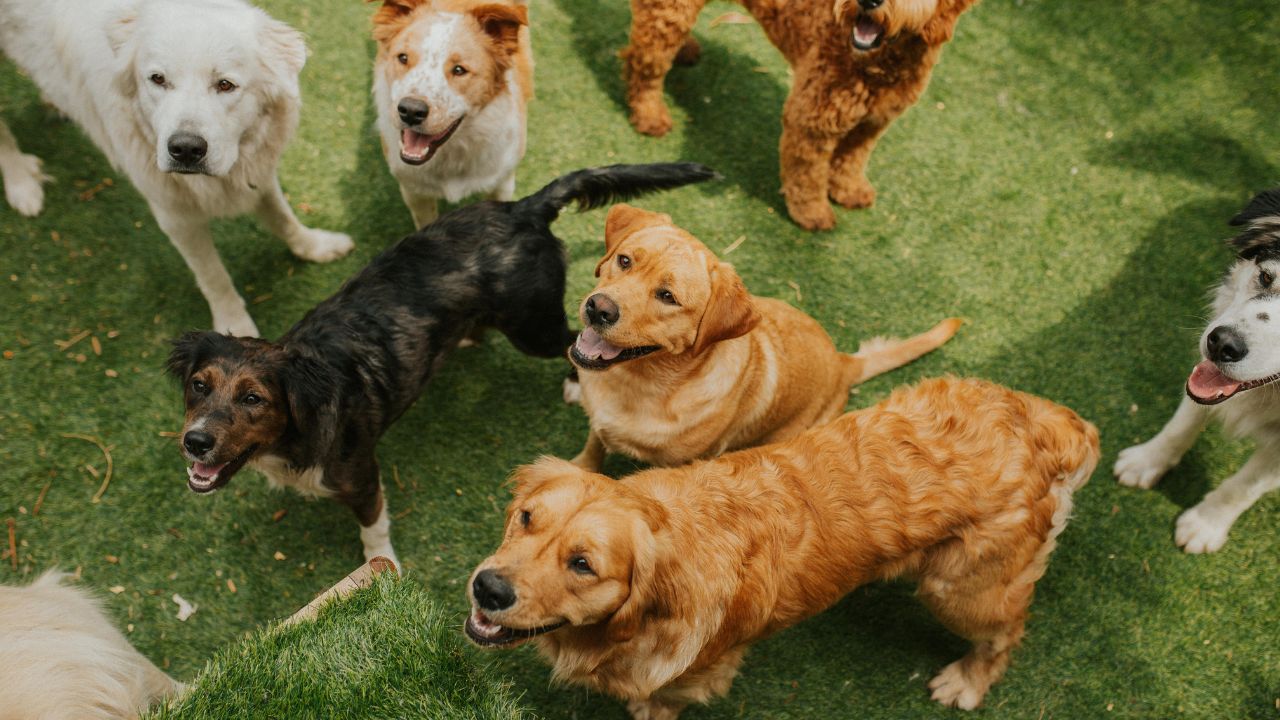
x,y
359,359
1260,240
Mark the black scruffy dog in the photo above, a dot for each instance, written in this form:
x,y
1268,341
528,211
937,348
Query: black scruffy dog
x,y
308,409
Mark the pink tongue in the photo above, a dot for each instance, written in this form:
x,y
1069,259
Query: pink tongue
x,y
1208,383
208,471
591,345
867,30
414,143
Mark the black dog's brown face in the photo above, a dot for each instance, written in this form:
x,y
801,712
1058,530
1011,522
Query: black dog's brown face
x,y
235,403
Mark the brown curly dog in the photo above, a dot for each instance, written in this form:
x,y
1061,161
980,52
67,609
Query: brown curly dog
x,y
857,65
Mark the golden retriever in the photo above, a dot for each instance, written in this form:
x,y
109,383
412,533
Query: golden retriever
x,y
680,362
651,588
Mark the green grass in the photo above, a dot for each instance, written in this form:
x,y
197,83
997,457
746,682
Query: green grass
x,y
1063,184
388,651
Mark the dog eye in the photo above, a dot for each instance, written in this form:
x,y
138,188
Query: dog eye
x,y
666,297
525,517
1265,278
199,387
157,78
458,70
624,262
403,58
579,564
225,86
252,399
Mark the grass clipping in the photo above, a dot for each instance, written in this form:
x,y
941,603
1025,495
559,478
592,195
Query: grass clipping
x,y
387,651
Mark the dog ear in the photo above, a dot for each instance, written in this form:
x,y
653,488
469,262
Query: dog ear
x,y
942,26
645,587
730,312
309,392
502,23
192,350
623,220
120,32
282,53
392,17
528,479
1261,218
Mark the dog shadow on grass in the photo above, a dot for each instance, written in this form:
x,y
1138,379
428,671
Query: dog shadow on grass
x,y
732,109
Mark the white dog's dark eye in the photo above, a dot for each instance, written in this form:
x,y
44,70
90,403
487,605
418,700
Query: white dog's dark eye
x,y
1265,278
252,399
624,262
579,564
665,296
458,70
225,86
157,78
403,58
199,387
525,517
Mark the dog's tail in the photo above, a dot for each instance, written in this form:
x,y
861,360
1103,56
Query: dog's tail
x,y
595,187
880,355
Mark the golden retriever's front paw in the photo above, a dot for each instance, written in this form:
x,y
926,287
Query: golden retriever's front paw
x,y
812,215
322,246
853,194
651,119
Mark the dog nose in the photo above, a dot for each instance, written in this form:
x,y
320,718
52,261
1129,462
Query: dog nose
x,y
870,4
601,310
198,443
412,110
492,591
1226,345
187,148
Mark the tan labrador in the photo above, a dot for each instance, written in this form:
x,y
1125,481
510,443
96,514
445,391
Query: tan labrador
x,y
680,362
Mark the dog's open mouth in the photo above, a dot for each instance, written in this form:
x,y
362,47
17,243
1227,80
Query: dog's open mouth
x,y
416,148
205,477
592,352
867,33
1209,386
486,633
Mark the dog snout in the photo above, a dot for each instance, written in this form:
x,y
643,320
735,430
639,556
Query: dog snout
x,y
412,110
198,443
870,4
601,310
187,148
492,591
1225,345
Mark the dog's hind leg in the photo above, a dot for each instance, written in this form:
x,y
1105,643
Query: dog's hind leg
x,y
1204,528
192,239
659,32
359,489
21,175
307,243
1142,465
879,355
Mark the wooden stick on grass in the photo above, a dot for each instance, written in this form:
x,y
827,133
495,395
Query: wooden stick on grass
x,y
13,544
106,479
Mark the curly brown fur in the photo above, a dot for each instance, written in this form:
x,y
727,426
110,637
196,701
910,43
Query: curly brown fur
x,y
842,97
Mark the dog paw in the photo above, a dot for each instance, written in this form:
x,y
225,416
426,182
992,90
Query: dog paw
x,y
812,215
22,179
1141,466
1199,531
321,246
952,688
234,322
653,120
854,195
572,392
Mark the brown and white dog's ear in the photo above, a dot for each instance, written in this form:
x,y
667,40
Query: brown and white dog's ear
x,y
189,352
392,17
730,312
622,221
645,588
502,23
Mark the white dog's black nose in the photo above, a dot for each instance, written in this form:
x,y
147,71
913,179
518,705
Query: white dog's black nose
x,y
198,443
187,148
600,310
492,591
1225,345
412,110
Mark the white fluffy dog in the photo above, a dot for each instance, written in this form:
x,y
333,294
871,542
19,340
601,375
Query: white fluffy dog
x,y
1241,351
193,99
60,657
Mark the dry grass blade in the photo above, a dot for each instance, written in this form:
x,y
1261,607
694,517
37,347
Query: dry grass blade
x,y
106,452
13,544
40,499
65,344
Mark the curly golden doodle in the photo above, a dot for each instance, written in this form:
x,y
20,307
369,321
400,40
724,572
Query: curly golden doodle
x,y
857,65
651,588
680,362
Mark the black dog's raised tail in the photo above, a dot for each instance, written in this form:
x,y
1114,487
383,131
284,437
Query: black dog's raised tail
x,y
595,187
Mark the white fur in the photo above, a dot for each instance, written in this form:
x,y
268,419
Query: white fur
x,y
480,157
60,657
1240,303
95,61
307,482
377,538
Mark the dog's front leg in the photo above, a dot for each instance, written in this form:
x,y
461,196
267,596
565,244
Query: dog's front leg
x,y
369,504
806,152
849,184
654,709
21,175
1204,528
193,240
424,209
592,456
1142,465
304,242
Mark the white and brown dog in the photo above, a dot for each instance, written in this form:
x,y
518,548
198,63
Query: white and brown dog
x,y
451,81
1233,383
194,100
